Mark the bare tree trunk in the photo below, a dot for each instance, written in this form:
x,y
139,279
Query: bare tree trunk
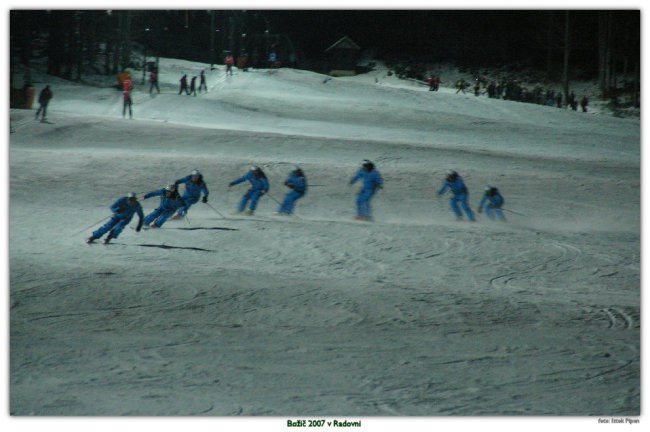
x,y
117,45
549,46
126,40
608,55
78,46
566,56
602,51
636,90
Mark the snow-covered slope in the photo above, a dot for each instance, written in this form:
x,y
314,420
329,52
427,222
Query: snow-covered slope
x,y
319,315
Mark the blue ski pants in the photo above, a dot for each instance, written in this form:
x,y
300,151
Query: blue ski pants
x,y
159,216
363,202
253,195
115,225
290,201
189,202
491,210
461,198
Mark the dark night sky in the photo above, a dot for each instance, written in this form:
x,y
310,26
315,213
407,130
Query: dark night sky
x,y
443,34
467,37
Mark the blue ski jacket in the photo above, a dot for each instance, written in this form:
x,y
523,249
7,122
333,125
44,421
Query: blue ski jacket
x,y
298,183
193,190
371,180
496,200
257,183
166,203
457,186
124,209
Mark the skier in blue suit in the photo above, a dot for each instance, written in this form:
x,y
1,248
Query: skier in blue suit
x,y
123,210
371,182
459,194
170,201
297,183
493,201
259,186
194,186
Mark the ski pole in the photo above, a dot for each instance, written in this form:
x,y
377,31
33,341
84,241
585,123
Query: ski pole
x,y
92,225
271,196
514,212
216,211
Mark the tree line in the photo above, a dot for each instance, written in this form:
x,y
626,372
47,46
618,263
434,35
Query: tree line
x,y
604,43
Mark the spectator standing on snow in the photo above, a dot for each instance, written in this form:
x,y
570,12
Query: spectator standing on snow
x,y
477,88
203,85
371,182
583,103
431,83
259,186
184,88
558,99
153,80
229,60
297,183
273,60
492,201
170,202
127,102
459,195
572,102
44,98
194,187
123,210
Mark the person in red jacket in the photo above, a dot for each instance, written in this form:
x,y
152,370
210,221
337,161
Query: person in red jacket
x,y
127,103
127,84
230,60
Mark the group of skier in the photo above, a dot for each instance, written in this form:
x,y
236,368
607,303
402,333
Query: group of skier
x,y
174,205
492,199
171,202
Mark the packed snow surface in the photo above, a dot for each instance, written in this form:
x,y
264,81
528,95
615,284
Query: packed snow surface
x,y
318,315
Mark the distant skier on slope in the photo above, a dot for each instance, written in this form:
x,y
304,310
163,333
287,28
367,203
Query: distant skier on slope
x,y
297,183
259,186
194,186
493,201
371,183
123,210
44,99
203,85
459,194
153,80
170,202
184,87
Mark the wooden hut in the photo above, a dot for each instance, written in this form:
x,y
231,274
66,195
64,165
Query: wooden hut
x,y
343,56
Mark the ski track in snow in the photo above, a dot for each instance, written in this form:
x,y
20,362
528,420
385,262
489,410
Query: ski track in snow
x,y
413,314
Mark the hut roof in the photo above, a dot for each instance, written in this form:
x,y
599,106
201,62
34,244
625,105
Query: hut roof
x,y
345,43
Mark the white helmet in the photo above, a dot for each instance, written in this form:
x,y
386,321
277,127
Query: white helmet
x,y
255,168
170,187
130,195
195,172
